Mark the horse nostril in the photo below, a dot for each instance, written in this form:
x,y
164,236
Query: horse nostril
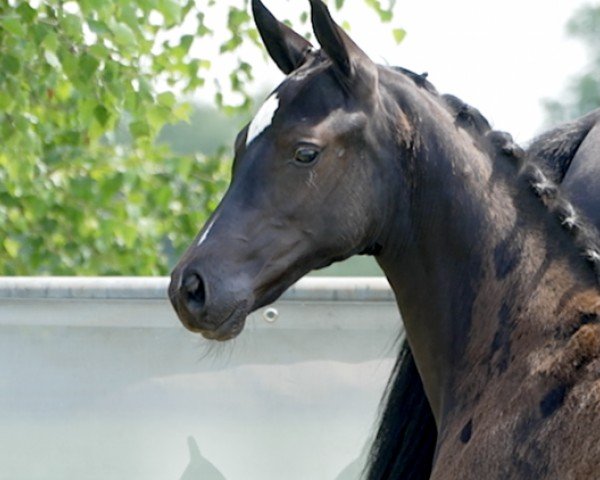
x,y
193,285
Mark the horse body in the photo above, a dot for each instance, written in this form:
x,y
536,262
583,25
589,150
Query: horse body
x,y
501,311
579,179
572,153
493,296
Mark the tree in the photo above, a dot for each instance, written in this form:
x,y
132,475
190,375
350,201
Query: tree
x,y
583,92
86,86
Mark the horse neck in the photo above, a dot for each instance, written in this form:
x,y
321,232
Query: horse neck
x,y
479,261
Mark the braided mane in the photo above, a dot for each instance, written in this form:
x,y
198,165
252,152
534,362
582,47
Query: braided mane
x,y
541,174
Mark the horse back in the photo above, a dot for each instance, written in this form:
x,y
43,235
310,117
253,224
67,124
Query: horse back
x,y
570,153
582,180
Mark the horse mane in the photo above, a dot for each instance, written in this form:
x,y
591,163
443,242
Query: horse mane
x,y
405,442
543,165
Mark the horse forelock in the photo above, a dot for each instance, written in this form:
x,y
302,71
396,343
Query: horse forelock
x,y
502,147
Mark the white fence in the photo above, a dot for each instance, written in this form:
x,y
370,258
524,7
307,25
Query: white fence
x,y
99,380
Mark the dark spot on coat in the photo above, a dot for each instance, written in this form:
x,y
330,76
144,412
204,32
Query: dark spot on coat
x,y
466,432
501,344
589,318
553,400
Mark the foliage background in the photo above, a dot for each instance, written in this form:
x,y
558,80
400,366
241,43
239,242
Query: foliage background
x,y
104,168
90,179
583,91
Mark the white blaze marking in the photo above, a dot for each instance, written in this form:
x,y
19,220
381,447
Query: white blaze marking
x,y
263,118
206,232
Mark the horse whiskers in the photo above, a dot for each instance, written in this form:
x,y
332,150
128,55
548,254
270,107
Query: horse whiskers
x,y
217,351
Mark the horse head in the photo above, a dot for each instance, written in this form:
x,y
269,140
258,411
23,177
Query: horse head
x,y
305,190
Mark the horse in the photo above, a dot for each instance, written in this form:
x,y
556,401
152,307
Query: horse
x,y
570,153
494,268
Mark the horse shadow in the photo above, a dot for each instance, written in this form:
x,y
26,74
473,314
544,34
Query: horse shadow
x,y
199,468
352,471
355,469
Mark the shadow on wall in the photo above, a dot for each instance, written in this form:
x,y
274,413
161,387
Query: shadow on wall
x,y
354,470
199,468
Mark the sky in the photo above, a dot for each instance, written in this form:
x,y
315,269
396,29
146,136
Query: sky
x,y
503,57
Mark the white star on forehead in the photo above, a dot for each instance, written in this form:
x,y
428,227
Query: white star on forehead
x,y
263,118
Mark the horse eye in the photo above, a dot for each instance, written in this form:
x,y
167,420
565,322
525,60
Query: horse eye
x,y
306,155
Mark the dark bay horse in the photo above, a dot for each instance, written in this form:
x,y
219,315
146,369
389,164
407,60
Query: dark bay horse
x,y
488,250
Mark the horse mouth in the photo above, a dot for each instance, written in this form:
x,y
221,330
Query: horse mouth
x,y
213,329
226,330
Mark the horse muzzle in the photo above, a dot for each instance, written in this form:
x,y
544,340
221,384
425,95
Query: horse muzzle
x,y
214,309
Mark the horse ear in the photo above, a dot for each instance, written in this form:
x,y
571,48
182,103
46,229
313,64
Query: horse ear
x,y
350,62
287,48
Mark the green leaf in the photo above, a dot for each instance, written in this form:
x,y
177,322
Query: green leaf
x,y
182,111
72,26
99,51
186,42
6,101
26,13
63,90
11,64
236,18
12,247
50,41
166,99
386,16
13,25
158,116
399,34
170,9
124,36
99,27
139,129
95,5
147,5
69,63
101,114
129,16
52,59
230,45
88,66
